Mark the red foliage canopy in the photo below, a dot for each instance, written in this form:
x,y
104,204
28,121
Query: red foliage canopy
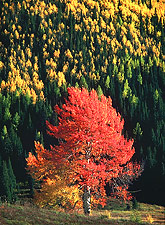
x,y
91,150
91,143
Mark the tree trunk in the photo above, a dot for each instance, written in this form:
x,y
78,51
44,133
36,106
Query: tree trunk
x,y
87,201
87,193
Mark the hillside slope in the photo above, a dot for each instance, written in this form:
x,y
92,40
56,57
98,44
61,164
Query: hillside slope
x,y
114,46
23,214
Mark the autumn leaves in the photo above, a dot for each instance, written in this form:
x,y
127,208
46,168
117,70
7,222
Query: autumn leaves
x,y
72,36
91,152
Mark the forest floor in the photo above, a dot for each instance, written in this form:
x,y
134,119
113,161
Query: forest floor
x,y
29,214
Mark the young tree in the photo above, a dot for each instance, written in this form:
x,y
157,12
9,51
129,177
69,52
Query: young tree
x,y
5,192
92,150
12,180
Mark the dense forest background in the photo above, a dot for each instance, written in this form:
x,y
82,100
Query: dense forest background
x,y
114,46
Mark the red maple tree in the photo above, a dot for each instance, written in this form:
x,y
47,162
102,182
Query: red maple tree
x,y
91,148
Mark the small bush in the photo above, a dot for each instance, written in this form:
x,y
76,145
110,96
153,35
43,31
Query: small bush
x,y
136,218
135,204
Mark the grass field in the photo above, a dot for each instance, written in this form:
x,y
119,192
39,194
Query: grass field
x,y
114,214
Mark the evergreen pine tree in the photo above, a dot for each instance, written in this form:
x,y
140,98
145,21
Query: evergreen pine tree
x,y
135,204
31,185
83,82
107,82
5,192
6,144
99,91
12,180
77,85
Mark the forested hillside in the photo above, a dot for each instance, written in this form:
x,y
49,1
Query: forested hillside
x,y
114,46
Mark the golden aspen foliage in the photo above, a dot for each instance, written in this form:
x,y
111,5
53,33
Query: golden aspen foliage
x,y
55,190
99,24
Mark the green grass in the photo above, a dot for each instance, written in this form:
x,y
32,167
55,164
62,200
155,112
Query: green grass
x,y
114,214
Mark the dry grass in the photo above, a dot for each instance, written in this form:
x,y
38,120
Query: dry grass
x,y
29,214
146,213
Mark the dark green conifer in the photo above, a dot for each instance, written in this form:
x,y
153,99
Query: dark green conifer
x,y
107,82
6,144
5,192
12,180
99,91
83,82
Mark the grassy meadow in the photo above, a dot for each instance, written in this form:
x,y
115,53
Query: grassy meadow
x,y
115,213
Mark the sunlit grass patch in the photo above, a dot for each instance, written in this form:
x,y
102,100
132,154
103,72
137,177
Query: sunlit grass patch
x,y
149,219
